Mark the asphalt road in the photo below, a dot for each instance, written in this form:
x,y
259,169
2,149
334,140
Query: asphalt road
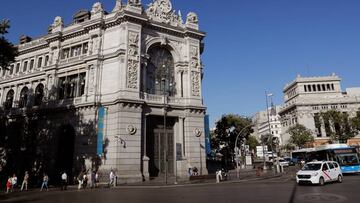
x,y
281,189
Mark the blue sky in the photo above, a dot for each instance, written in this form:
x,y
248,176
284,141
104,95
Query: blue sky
x,y
251,45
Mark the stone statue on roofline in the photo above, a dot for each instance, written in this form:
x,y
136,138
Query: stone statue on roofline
x,y
118,6
57,25
192,18
58,21
97,8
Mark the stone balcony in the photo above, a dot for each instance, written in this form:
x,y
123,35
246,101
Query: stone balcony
x,y
160,99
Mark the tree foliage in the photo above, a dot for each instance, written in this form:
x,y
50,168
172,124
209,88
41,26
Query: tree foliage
x,y
252,142
228,128
270,141
300,135
355,122
339,126
8,51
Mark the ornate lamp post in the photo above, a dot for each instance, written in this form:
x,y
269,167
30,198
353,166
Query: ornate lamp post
x,y
237,149
167,88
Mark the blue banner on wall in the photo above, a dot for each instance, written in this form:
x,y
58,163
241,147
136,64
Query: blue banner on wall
x,y
100,134
207,135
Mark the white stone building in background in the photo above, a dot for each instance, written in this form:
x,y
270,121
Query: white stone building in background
x,y
261,123
306,97
97,89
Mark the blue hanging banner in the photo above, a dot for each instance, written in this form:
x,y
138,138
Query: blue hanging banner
x,y
207,135
100,133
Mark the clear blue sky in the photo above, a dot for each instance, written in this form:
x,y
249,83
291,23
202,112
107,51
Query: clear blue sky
x,y
251,45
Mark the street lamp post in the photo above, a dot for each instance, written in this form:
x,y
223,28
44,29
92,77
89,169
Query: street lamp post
x,y
166,88
165,132
237,149
270,134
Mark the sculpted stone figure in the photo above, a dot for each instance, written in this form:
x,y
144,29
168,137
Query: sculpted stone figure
x,y
97,8
192,18
118,6
161,11
58,21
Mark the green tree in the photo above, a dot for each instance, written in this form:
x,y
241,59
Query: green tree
x,y
8,51
252,142
226,131
355,122
338,125
300,135
228,128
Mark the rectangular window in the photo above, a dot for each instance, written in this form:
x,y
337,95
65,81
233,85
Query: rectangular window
x,y
39,62
46,60
17,68
31,64
3,72
71,86
25,66
85,48
11,69
65,53
75,51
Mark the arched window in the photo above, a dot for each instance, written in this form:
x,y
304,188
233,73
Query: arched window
x,y
39,94
9,99
160,72
23,97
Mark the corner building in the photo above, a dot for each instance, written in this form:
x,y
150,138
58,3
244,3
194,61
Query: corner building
x,y
104,87
306,97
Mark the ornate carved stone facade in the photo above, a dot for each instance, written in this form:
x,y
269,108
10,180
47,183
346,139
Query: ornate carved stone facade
x,y
108,77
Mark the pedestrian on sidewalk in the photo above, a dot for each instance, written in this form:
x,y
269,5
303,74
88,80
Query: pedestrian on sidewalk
x,y
45,182
93,179
25,181
97,179
8,185
189,169
80,180
85,180
13,182
64,180
112,177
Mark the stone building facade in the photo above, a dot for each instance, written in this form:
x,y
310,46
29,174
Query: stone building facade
x,y
104,87
261,123
306,97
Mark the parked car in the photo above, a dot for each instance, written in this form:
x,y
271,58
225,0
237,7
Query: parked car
x,y
319,172
290,160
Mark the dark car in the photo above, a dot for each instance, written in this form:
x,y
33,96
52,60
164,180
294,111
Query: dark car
x,y
291,161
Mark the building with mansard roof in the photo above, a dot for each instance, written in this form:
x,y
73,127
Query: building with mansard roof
x,y
306,97
119,90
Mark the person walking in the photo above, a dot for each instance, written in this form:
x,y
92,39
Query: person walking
x,y
93,179
64,180
97,179
80,180
85,180
45,182
14,182
112,177
25,181
8,185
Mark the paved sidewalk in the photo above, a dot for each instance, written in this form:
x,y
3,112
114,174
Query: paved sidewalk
x,y
245,176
